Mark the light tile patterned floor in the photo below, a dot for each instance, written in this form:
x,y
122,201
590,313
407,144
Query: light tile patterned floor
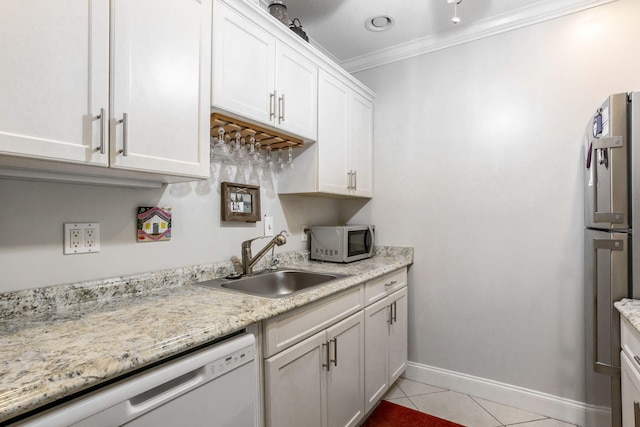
x,y
463,409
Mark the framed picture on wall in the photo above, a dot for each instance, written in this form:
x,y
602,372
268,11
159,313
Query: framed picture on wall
x,y
240,202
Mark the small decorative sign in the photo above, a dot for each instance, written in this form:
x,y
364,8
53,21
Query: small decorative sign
x,y
240,202
154,224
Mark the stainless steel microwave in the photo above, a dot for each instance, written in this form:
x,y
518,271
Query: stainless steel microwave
x,y
342,243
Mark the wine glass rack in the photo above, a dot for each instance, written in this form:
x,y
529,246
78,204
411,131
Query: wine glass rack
x,y
264,136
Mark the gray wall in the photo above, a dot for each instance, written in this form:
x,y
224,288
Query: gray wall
x,y
32,214
478,166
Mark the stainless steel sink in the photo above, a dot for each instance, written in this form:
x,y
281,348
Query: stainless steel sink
x,y
274,284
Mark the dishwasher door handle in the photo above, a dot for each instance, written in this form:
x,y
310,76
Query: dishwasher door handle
x,y
163,393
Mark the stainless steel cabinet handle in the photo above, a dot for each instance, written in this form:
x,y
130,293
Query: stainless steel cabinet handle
x,y
394,312
389,315
328,364
355,180
610,245
391,283
125,132
272,105
335,351
281,109
350,186
101,117
636,414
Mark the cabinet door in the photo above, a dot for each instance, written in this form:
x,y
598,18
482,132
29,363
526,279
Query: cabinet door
x,y
295,385
161,84
361,145
398,334
333,134
630,393
376,339
54,79
297,92
345,375
243,66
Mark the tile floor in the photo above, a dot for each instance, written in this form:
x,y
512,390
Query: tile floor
x,y
463,409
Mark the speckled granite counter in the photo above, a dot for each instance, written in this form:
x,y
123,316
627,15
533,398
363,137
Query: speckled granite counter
x,y
60,340
630,309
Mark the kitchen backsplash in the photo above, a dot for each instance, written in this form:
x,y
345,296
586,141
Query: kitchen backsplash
x,y
63,298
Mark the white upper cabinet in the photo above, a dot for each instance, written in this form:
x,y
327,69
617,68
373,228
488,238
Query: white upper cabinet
x,y
117,84
161,85
296,92
243,65
333,135
54,79
260,77
341,163
361,146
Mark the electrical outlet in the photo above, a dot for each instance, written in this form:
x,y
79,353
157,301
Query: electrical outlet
x,y
75,240
81,237
90,237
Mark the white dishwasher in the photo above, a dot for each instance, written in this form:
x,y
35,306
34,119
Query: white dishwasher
x,y
213,387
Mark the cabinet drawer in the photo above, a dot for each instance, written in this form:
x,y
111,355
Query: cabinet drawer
x,y
630,339
379,288
291,328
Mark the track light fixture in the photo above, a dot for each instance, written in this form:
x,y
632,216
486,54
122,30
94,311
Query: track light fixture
x,y
456,18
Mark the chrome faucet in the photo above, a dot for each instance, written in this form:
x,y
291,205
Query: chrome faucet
x,y
248,262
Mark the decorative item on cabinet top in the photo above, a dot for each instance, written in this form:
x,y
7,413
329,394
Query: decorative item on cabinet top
x,y
266,137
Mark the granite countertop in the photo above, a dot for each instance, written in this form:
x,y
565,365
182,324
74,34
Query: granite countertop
x,y
630,309
61,340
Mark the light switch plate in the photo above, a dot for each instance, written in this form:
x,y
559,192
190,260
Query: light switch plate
x,y
81,237
268,226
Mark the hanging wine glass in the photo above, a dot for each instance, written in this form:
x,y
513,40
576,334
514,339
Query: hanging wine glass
x,y
290,158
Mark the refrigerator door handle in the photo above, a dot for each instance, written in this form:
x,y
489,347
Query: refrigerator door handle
x,y
602,146
611,245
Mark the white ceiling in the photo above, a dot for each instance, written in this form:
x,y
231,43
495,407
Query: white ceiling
x,y
337,26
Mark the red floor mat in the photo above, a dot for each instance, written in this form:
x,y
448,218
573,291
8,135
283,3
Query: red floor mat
x,y
389,414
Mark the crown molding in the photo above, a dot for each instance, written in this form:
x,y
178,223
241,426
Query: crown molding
x,y
523,17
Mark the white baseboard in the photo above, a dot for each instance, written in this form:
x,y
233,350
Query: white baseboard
x,y
562,409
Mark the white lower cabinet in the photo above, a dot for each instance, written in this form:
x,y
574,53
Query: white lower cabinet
x,y
630,373
630,393
318,382
327,364
398,330
385,345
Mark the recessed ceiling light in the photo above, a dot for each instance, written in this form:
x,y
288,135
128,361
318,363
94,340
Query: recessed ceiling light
x,y
379,23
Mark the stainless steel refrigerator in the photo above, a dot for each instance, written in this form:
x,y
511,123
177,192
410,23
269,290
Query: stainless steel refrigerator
x,y
612,178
